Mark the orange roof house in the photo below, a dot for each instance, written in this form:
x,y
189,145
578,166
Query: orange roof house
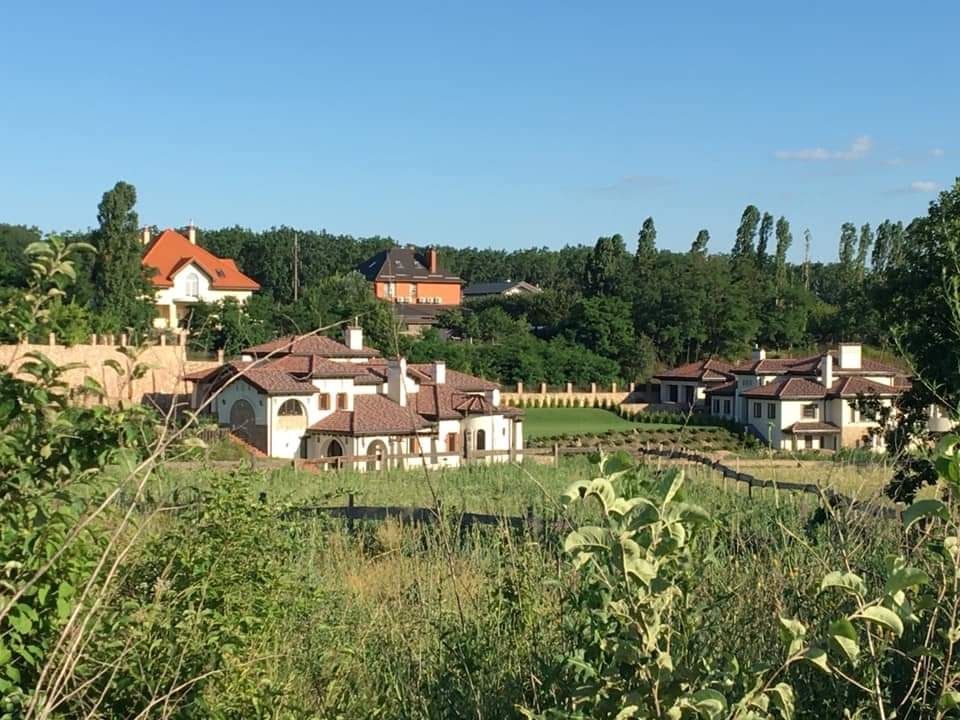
x,y
185,273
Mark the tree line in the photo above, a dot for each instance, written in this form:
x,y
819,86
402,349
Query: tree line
x,y
608,310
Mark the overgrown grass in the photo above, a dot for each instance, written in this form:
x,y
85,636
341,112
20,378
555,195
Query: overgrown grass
x,y
553,422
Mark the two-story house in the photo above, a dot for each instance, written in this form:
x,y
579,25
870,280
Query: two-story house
x,y
686,386
183,273
810,402
315,397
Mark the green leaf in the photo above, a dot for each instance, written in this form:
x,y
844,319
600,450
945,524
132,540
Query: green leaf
x,y
783,699
817,657
586,539
5,654
924,508
884,617
845,581
949,700
21,623
709,703
844,634
904,577
670,484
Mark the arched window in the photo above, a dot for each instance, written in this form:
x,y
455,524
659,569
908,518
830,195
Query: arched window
x,y
193,285
481,440
291,407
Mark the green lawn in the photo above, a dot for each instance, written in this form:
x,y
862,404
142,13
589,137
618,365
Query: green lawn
x,y
550,422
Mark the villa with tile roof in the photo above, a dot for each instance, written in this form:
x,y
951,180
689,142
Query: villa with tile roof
x,y
686,386
315,397
183,273
809,402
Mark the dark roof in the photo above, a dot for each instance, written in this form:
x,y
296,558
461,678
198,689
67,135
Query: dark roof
x,y
319,345
277,382
853,386
772,366
709,370
813,427
727,388
372,415
788,388
402,263
810,365
498,288
420,313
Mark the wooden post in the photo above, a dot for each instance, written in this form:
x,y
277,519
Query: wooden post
x,y
350,513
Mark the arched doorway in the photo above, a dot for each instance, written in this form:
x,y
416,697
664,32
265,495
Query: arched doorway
x,y
242,419
334,449
481,439
377,452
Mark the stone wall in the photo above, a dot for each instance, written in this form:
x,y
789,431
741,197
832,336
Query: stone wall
x,y
166,365
639,395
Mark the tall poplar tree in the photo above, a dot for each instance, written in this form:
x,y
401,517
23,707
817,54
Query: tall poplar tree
x,y
747,232
763,241
784,240
123,296
847,253
699,246
647,242
881,247
863,249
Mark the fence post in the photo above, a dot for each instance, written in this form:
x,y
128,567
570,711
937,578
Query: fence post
x,y
750,487
350,513
556,454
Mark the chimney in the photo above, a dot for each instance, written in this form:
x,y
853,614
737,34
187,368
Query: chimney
x,y
397,381
353,337
826,370
192,234
146,236
432,259
758,353
439,372
849,356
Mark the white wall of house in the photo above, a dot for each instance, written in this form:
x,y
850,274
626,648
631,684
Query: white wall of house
x,y
190,284
241,390
698,390
287,431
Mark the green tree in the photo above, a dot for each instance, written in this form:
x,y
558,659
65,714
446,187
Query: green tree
x,y
763,241
123,293
646,242
608,268
848,243
699,246
747,232
784,240
863,249
881,247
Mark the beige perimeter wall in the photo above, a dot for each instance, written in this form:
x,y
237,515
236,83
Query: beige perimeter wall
x,y
166,365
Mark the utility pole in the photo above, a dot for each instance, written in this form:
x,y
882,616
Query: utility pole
x,y
296,265
806,259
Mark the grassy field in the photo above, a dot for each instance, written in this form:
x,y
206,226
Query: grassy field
x,y
551,422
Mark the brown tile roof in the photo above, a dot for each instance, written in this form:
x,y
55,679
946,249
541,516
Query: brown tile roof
x,y
372,415
853,385
312,345
788,388
704,370
773,366
277,382
813,427
170,251
436,402
459,380
727,388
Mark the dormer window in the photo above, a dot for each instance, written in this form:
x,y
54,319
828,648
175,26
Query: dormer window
x,y
193,285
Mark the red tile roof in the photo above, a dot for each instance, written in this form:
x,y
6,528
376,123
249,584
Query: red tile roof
x,y
311,345
277,382
773,366
170,251
372,415
459,380
853,386
727,388
788,388
704,370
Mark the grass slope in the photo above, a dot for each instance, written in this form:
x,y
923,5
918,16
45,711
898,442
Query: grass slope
x,y
551,422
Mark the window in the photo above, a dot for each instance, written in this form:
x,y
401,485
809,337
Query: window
x,y
451,442
291,407
391,289
771,411
341,401
726,407
757,410
688,394
325,401
672,389
853,413
716,407
414,445
808,442
193,285
810,412
413,292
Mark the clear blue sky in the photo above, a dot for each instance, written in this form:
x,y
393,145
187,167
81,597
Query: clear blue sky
x,y
495,124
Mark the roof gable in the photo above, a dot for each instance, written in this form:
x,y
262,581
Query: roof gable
x,y
402,264
170,252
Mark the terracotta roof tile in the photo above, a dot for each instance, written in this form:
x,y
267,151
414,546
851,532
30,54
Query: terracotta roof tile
x,y
312,345
459,380
853,386
277,382
372,415
170,251
788,388
705,370
727,388
813,427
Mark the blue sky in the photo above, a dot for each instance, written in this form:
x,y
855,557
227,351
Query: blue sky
x,y
492,124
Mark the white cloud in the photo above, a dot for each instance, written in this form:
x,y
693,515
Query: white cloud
x,y
859,148
924,186
937,152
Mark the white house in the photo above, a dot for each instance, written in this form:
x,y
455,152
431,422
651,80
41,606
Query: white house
x,y
686,386
314,397
183,273
810,402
